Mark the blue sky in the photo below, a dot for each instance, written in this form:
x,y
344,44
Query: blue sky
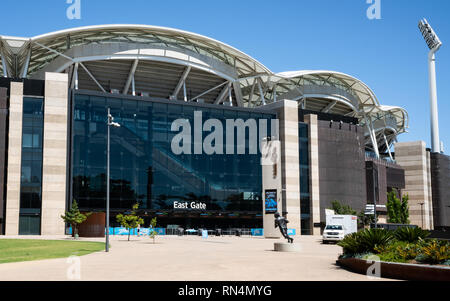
x,y
389,54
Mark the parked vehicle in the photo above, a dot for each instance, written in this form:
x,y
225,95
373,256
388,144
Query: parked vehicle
x,y
338,226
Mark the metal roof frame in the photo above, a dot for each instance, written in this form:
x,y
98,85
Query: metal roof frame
x,y
252,82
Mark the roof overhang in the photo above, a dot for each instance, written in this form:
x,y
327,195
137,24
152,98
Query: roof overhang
x,y
255,84
64,40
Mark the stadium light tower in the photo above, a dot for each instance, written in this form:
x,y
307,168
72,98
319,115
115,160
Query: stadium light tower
x,y
434,44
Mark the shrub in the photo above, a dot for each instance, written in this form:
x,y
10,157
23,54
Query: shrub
x,y
373,238
434,252
408,252
366,241
363,256
351,244
410,235
385,245
391,257
398,251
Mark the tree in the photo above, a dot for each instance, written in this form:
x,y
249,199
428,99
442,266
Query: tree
x,y
397,210
341,209
74,217
153,232
130,220
365,219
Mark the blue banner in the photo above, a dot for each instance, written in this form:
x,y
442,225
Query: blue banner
x,y
134,232
122,231
161,231
257,232
144,231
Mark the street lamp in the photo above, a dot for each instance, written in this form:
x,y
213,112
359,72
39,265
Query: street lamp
x,y
434,44
421,211
375,195
114,124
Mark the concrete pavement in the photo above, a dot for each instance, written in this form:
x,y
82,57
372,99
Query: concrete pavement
x,y
191,258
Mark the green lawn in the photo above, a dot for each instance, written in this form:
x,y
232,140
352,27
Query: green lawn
x,y
13,250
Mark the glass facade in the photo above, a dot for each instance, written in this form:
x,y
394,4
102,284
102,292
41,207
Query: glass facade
x,y
31,167
143,167
305,197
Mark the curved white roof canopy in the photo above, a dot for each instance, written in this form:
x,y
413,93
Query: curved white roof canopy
x,y
252,83
61,41
329,92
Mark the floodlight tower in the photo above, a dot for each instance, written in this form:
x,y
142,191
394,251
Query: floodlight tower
x,y
434,44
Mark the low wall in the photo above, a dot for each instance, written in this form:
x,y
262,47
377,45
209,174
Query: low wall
x,y
440,234
402,271
94,226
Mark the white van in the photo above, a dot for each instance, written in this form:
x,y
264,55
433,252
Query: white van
x,y
338,226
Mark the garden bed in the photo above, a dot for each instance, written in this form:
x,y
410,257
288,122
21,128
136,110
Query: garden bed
x,y
394,270
405,253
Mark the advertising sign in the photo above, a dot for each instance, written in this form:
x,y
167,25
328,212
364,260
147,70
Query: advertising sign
x,y
271,201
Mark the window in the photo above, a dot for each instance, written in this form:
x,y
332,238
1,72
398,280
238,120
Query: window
x,y
143,167
305,197
31,167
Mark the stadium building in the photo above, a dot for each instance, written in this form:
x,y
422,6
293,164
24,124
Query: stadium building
x,y
335,135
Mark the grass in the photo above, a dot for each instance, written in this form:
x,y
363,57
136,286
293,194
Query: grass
x,y
14,250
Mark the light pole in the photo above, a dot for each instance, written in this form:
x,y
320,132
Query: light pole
x,y
434,44
114,124
375,194
421,211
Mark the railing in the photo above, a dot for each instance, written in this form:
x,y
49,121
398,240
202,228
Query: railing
x,y
372,157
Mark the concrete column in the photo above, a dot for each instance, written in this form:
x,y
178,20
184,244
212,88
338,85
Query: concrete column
x,y
311,120
430,194
271,181
440,174
290,163
54,153
413,157
14,158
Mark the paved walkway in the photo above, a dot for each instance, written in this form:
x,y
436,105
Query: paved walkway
x,y
194,259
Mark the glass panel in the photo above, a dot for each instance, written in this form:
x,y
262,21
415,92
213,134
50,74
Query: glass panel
x,y
31,166
305,201
143,167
